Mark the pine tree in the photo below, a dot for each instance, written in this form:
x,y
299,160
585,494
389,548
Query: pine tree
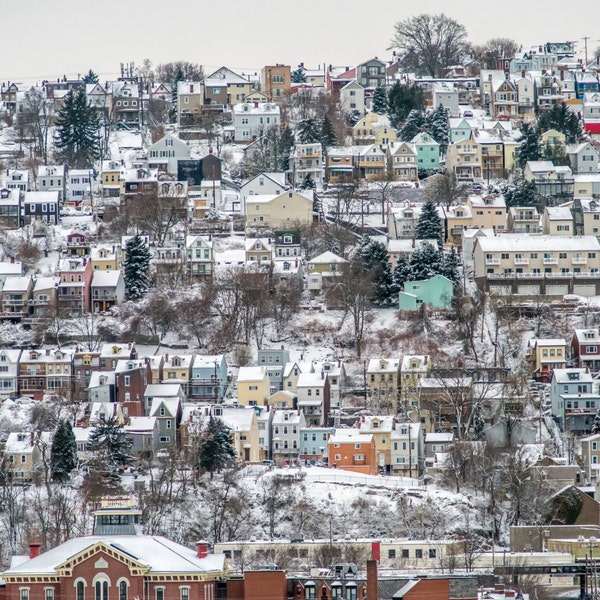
x,y
109,444
299,75
439,127
90,77
215,446
401,100
429,225
328,135
77,132
309,131
413,125
379,101
177,77
375,261
596,423
137,268
401,274
519,193
530,145
63,454
562,119
425,262
450,263
286,143
308,183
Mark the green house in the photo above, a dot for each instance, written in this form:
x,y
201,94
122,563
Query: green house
x,y
436,292
428,151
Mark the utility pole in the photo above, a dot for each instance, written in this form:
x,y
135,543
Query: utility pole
x,y
585,40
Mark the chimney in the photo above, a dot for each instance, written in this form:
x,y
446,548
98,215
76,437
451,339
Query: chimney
x,y
202,548
34,549
372,593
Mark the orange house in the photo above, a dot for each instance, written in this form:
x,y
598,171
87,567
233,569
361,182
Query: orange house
x,y
351,450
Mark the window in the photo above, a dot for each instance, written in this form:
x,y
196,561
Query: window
x,y
101,590
160,593
391,553
418,553
184,593
24,593
405,553
80,590
122,590
432,552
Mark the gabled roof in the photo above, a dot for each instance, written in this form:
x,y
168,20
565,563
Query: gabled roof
x,y
327,257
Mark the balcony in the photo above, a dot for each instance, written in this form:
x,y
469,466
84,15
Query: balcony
x,y
14,302
580,411
548,260
492,261
521,261
577,260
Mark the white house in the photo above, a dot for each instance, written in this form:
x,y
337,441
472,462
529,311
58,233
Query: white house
x,y
252,121
164,154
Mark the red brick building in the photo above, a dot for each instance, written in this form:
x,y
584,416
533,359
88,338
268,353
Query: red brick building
x,y
116,563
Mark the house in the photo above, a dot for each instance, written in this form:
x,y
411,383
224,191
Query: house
x,y
352,98
436,292
585,349
408,450
285,441
263,184
373,129
143,436
341,164
583,158
164,154
252,121
575,399
104,258
428,151
200,257
460,129
10,208
287,245
237,87
23,455
463,158
41,206
9,372
208,380
437,443
44,295
111,353
79,186
283,399
51,178
253,386
532,265
74,289
279,211
259,251
504,99
78,244
243,424
306,165
101,387
103,411
546,355
132,377
557,220
168,412
314,397
313,443
17,180
382,381
45,371
126,102
413,368
107,290
522,219
445,94
402,157
381,428
402,220
275,81
336,375
371,73
117,559
351,450
371,162
177,368
590,458
555,183
16,297
190,100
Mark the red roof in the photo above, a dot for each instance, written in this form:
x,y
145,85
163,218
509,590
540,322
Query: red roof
x,y
592,127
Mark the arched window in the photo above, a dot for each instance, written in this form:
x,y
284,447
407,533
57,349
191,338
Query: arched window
x,y
123,589
101,589
80,589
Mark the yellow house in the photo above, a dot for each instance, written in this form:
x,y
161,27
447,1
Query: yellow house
x,y
413,369
105,258
177,368
373,129
284,398
382,382
279,210
381,429
510,148
22,454
111,180
243,425
253,386
328,262
291,373
546,355
463,158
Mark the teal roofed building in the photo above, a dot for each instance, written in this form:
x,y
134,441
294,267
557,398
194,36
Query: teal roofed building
x,y
428,151
436,292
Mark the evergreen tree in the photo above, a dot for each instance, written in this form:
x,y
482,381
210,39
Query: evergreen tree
x,y
559,117
137,268
77,132
309,131
450,263
328,135
177,77
375,261
401,274
308,183
413,125
109,444
401,100
299,75
63,453
380,100
425,262
439,127
429,225
90,77
530,145
215,446
286,143
596,423
555,153
519,193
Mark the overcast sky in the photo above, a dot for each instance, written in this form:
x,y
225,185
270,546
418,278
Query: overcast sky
x,y
49,38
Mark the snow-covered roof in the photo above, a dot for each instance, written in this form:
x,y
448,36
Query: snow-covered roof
x,y
16,284
327,257
350,435
439,438
238,418
158,554
23,441
251,373
421,359
289,417
562,375
383,365
99,378
162,390
11,268
558,213
106,278
171,405
46,283
140,424
538,243
202,361
310,380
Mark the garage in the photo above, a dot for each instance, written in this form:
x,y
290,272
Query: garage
x,y
528,290
557,290
584,289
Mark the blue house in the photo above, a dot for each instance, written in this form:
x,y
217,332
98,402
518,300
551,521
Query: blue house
x,y
436,292
313,442
208,377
